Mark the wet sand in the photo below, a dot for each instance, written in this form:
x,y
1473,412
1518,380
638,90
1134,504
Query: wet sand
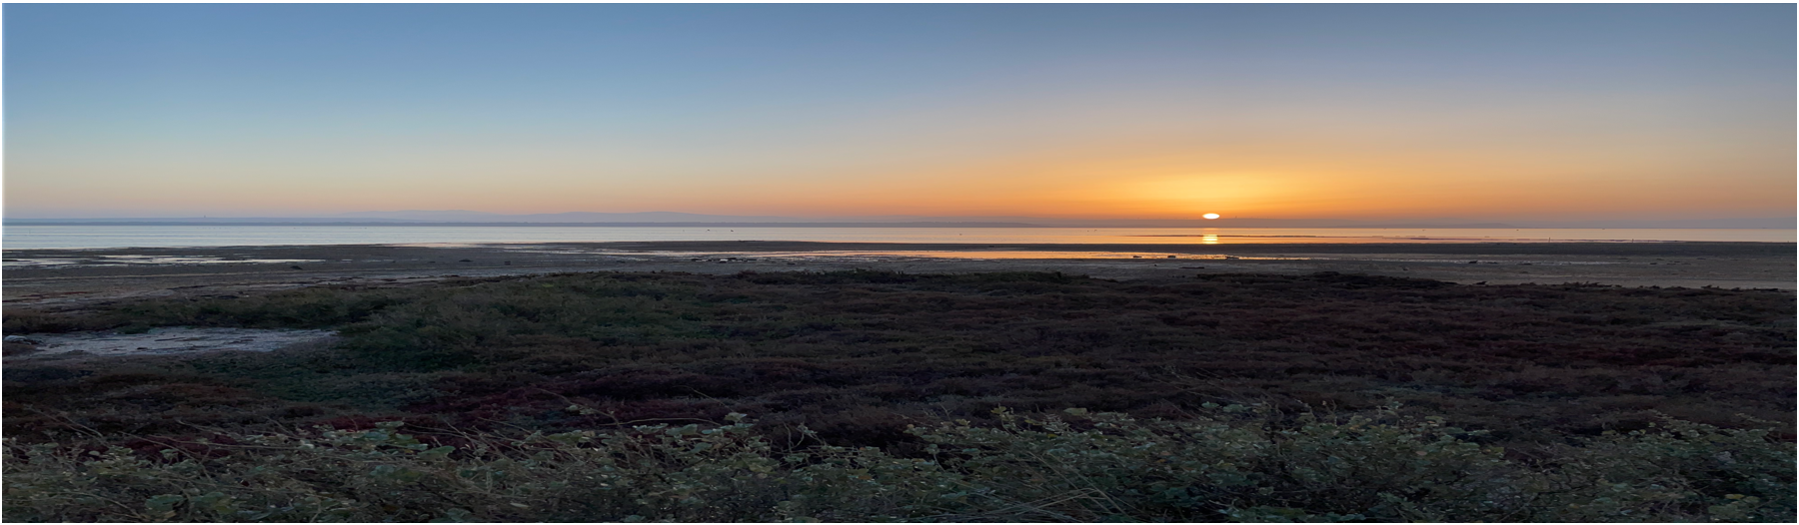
x,y
70,278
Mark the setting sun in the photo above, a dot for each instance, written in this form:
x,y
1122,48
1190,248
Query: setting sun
x,y
1210,216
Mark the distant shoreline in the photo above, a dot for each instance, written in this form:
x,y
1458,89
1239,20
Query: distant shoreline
x,y
1593,248
1635,248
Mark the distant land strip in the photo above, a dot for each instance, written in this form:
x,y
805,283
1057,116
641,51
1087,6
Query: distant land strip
x,y
1616,248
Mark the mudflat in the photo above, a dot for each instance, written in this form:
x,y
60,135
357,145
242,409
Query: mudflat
x,y
73,277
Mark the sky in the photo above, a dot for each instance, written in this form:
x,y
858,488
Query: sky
x,y
1484,112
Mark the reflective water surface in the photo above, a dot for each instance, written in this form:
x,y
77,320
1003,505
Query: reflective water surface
x,y
138,260
931,254
93,236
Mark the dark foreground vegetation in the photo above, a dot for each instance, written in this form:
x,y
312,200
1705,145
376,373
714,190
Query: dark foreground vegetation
x,y
1098,467
569,397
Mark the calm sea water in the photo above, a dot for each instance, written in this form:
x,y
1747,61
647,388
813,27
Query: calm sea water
x,y
17,237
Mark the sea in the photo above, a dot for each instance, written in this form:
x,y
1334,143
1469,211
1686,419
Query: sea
x,y
82,236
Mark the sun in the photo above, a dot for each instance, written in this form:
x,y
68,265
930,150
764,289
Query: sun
x,y
1210,216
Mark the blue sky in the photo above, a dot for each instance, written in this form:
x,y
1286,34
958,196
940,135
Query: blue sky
x,y
1486,111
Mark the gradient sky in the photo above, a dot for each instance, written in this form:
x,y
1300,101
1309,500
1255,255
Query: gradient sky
x,y
1142,111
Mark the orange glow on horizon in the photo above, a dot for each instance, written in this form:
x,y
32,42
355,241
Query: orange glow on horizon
x,y
1298,178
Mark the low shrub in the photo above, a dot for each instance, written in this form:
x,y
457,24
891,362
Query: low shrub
x,y
1235,464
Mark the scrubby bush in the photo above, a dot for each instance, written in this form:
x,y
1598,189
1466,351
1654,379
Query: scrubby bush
x,y
1238,466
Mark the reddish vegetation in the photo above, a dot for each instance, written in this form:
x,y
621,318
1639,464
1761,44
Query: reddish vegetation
x,y
859,355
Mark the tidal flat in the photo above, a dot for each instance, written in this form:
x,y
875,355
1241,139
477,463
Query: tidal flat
x,y
57,276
